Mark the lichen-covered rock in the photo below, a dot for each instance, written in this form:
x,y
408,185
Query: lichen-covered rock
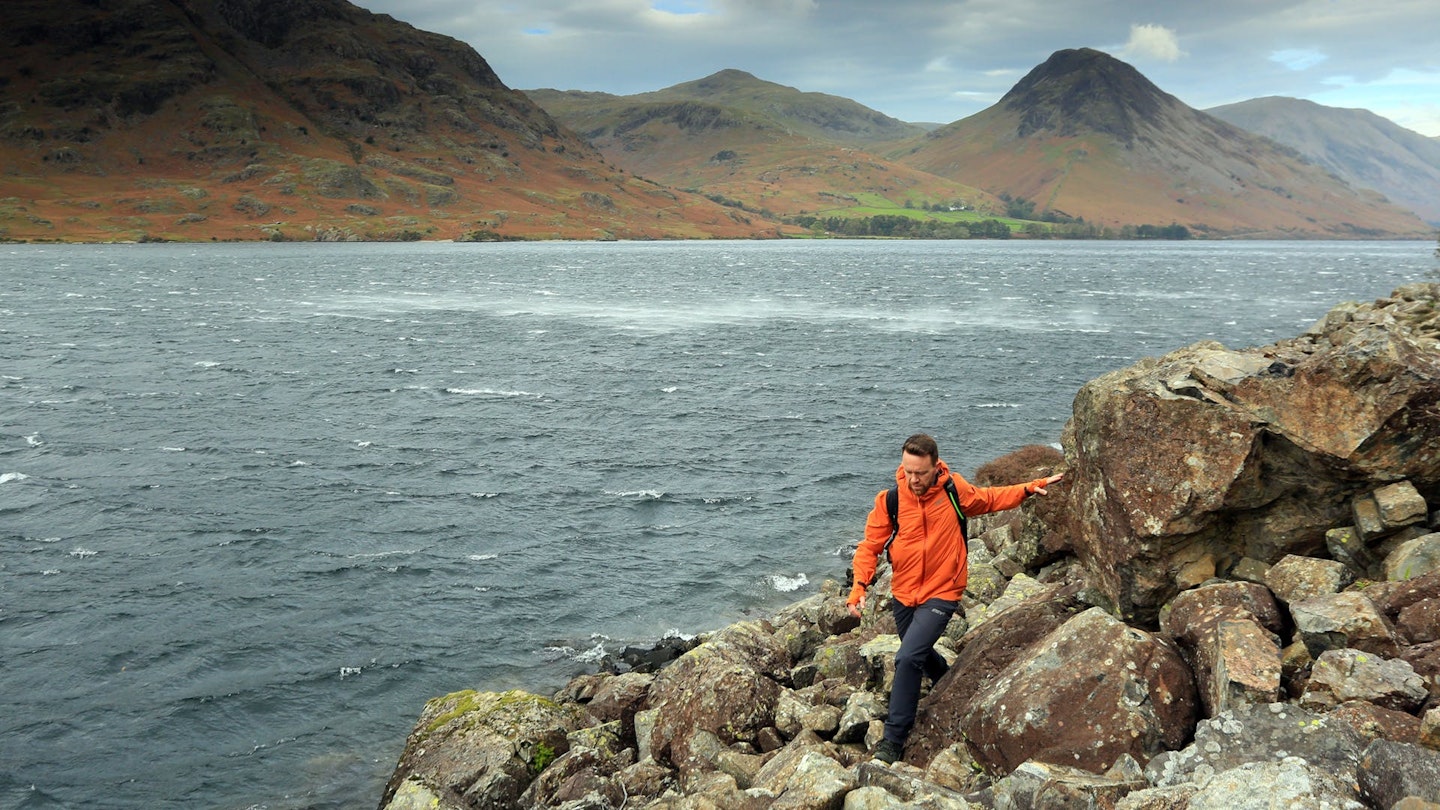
x,y
1341,620
1344,675
482,748
728,686
1291,782
1248,734
1061,703
1296,578
1414,558
1375,723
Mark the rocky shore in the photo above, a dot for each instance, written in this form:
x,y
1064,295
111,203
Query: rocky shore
x,y
1232,602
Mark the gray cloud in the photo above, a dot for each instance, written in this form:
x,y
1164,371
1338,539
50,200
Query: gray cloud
x,y
921,60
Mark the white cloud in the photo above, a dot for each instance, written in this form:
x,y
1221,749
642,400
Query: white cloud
x,y
1298,58
1153,42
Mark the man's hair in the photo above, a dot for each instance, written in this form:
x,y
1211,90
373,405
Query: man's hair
x,y
922,444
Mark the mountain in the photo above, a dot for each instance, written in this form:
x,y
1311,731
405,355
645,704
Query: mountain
x,y
303,119
757,144
1086,135
1358,146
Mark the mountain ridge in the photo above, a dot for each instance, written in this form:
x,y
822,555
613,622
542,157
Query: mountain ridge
x,y
1360,147
245,119
1086,135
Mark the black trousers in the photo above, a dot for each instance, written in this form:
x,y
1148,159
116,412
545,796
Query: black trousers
x,y
919,627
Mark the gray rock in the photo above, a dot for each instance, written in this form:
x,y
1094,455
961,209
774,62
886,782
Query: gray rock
x,y
1042,785
1249,734
1291,782
860,710
1344,675
1340,620
1347,547
1400,505
1414,558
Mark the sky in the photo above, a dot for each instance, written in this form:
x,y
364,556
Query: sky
x,y
937,61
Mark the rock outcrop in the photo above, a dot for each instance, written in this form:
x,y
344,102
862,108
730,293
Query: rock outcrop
x,y
1227,610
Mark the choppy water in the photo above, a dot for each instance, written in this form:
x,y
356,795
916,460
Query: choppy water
x,y
259,502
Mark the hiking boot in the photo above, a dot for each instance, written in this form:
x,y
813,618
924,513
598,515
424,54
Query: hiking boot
x,y
887,751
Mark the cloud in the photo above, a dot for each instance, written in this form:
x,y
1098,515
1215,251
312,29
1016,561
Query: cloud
x,y
1298,58
922,60
1153,42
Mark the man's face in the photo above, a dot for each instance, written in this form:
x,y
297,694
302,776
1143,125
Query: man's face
x,y
920,472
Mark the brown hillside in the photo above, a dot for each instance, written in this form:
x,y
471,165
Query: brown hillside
x,y
1086,135
761,145
303,119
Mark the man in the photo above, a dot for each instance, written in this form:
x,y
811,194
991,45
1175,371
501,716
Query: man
x,y
928,559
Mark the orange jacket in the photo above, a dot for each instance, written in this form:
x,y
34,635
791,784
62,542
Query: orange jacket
x,y
928,555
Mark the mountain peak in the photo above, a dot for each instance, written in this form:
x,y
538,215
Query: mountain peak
x,y
1082,89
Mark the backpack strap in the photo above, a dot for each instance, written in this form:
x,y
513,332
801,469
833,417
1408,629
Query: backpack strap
x,y
892,508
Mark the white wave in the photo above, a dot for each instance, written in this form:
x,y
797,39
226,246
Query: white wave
x,y
997,405
642,494
172,449
482,557
491,392
34,440
207,364
670,389
298,464
484,495
786,584
82,553
363,444
49,572
6,478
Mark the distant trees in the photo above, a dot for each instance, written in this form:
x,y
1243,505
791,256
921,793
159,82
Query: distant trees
x,y
1171,231
896,226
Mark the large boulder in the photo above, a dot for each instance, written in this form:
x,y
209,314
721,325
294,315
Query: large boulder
x,y
1209,453
1063,704
480,749
1253,733
988,650
729,686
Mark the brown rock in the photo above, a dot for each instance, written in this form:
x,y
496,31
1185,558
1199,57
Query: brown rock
x,y
1296,578
1400,505
987,651
1086,694
1239,664
1391,771
1375,723
1174,457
